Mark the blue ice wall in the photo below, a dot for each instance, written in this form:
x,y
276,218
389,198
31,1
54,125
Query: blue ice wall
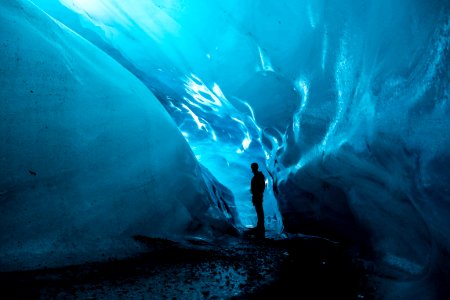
x,y
166,47
89,157
346,103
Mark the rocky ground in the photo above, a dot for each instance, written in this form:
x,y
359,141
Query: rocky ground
x,y
238,268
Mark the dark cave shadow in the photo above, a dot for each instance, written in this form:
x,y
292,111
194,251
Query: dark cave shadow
x,y
288,268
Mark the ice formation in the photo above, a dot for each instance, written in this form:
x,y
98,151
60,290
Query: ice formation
x,y
89,157
346,103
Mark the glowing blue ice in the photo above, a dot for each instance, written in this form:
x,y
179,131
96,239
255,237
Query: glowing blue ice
x,y
345,106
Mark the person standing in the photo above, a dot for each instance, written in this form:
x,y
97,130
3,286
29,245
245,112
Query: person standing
x,y
257,187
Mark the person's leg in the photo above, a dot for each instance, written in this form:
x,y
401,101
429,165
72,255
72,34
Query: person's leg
x,y
260,214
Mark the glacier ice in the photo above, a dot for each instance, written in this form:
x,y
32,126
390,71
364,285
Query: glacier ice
x,y
89,157
346,104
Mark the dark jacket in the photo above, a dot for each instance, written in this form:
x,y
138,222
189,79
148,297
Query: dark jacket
x,y
258,184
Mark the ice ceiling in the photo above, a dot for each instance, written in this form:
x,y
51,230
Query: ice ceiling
x,y
344,104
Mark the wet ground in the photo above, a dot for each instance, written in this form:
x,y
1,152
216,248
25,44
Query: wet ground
x,y
239,268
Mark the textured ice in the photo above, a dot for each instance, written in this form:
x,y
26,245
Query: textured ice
x,y
346,103
89,157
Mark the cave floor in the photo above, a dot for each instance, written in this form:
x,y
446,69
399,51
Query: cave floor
x,y
238,268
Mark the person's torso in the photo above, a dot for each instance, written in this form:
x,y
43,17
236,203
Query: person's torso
x,y
258,183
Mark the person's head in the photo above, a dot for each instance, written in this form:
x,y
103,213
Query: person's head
x,y
254,167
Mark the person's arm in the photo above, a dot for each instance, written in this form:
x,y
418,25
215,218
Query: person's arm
x,y
262,183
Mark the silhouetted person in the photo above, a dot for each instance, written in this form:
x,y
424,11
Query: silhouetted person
x,y
258,185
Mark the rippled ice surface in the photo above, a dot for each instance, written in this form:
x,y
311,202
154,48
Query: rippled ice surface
x,y
345,104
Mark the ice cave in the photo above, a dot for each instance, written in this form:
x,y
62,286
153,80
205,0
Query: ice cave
x,y
142,117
